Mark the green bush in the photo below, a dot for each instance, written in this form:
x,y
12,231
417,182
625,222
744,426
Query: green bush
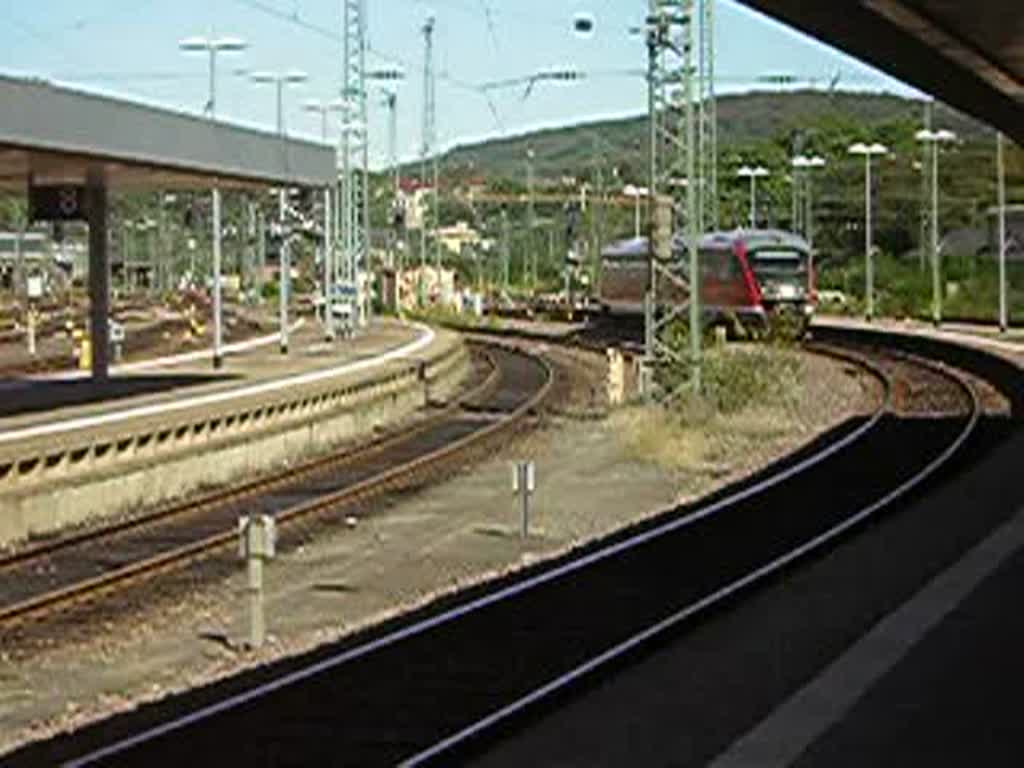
x,y
732,377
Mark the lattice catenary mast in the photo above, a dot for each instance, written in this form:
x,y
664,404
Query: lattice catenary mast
x,y
354,210
707,119
674,186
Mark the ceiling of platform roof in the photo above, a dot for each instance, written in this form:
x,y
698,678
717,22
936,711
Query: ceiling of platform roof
x,y
968,54
57,135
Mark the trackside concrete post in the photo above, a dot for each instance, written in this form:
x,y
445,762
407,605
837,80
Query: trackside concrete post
x,y
257,543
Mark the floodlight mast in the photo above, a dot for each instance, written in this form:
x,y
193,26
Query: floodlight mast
x,y
933,139
212,46
279,80
868,151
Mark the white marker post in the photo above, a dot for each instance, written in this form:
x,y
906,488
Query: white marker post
x,y
257,542
524,483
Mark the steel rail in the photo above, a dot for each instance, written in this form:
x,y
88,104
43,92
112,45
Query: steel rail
x,y
357,492
261,485
622,649
560,572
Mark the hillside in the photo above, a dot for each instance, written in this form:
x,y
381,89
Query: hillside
x,y
744,119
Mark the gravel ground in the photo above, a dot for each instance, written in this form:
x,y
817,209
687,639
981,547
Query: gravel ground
x,y
590,482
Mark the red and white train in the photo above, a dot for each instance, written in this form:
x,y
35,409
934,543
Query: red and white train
x,y
748,275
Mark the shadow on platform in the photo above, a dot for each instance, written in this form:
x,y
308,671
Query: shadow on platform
x,y
21,396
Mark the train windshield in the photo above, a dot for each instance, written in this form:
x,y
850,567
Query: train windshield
x,y
778,264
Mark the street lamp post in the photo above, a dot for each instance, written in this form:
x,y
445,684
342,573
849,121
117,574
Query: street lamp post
x,y
803,168
325,108
280,80
746,172
868,151
212,46
934,138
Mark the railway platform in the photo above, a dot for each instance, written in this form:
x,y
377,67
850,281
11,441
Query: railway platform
x,y
934,682
1009,345
72,449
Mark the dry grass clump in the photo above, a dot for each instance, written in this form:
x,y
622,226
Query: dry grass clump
x,y
749,400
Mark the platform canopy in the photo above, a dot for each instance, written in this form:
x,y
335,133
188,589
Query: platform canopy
x,y
969,54
58,135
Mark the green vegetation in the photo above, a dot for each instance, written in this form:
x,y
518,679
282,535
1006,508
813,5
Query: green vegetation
x,y
903,288
745,121
751,400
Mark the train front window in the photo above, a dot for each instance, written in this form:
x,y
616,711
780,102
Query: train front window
x,y
779,265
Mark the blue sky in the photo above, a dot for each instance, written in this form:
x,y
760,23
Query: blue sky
x,y
129,48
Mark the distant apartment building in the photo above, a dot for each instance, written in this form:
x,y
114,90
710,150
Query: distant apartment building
x,y
458,236
414,196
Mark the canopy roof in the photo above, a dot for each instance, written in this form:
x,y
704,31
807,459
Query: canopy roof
x,y
57,134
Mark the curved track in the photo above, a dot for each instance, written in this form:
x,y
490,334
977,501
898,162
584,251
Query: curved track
x,y
49,576
425,687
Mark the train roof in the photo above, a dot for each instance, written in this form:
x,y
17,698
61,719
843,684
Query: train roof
x,y
752,238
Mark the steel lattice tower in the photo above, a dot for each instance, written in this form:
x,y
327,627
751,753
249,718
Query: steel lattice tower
x,y
428,151
354,210
707,134
673,173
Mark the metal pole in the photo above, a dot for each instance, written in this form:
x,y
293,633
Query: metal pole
x,y
284,272
261,252
528,278
257,620
328,267
936,286
218,331
924,186
213,81
504,251
650,299
19,260
693,232
280,105
1001,171
794,215
869,274
218,338
810,212
753,201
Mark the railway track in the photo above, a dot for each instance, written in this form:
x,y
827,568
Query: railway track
x,y
48,577
429,687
